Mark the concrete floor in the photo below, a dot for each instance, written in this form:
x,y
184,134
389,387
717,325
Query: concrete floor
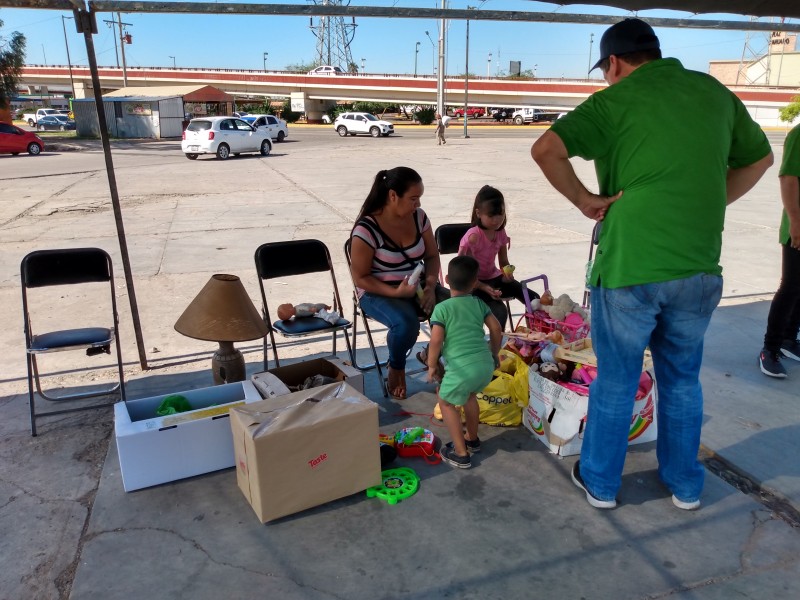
x,y
512,527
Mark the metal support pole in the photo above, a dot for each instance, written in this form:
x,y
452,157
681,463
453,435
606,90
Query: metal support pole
x,y
122,51
87,25
440,76
69,61
466,81
416,55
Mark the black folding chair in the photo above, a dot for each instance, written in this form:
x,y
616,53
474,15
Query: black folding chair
x,y
357,311
448,238
287,259
44,268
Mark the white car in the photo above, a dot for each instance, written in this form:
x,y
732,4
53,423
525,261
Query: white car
x,y
326,70
361,122
277,127
223,136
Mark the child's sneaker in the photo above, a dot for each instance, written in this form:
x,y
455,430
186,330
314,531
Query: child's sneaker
x,y
770,363
791,349
448,454
474,446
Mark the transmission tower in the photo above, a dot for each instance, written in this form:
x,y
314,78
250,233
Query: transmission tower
x,y
756,50
334,36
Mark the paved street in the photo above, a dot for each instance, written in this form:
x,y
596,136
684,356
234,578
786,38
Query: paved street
x,y
513,527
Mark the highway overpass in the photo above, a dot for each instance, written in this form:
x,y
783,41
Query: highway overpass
x,y
548,94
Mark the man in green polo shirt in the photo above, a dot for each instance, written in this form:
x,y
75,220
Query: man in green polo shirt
x,y
671,148
783,322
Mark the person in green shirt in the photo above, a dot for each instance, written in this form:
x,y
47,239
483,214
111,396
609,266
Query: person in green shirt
x,y
783,322
457,334
672,148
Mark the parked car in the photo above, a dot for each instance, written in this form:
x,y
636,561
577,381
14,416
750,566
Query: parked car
x,y
472,112
240,114
501,114
360,122
223,136
55,123
278,130
326,70
33,118
14,140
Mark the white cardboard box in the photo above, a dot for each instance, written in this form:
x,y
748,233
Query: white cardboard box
x,y
154,450
557,416
274,382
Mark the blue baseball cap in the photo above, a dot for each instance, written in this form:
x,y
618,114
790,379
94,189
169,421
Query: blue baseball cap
x,y
630,35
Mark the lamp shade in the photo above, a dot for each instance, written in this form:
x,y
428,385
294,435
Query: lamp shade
x,y
222,312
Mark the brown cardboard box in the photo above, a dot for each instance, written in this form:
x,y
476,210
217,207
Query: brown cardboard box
x,y
301,450
275,381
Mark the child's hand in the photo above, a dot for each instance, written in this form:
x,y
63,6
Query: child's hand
x,y
431,376
493,292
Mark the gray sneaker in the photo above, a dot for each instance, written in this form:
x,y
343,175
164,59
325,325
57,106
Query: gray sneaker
x,y
791,349
770,363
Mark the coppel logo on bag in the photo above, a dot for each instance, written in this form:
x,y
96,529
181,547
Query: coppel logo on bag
x,y
495,399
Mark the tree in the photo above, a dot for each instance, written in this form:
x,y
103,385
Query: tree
x,y
790,112
301,67
12,57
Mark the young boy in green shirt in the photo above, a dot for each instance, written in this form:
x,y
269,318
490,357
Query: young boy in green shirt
x,y
457,334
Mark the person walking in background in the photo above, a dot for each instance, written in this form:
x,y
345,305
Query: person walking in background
x,y
457,333
783,322
671,148
440,125
487,242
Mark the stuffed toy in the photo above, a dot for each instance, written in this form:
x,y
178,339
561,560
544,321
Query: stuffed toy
x,y
560,308
321,311
550,370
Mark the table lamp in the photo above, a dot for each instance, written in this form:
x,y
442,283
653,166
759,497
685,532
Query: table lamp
x,y
223,312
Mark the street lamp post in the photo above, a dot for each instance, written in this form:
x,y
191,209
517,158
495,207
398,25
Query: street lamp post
x,y
416,54
69,61
591,41
489,66
266,55
363,67
433,52
534,71
173,62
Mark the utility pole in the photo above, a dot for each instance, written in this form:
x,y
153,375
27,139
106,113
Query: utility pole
x,y
416,54
591,41
69,61
466,78
266,55
489,66
440,76
122,51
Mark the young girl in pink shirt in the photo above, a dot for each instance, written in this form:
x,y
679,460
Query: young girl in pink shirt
x,y
487,242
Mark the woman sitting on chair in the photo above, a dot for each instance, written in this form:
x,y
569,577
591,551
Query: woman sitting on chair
x,y
392,235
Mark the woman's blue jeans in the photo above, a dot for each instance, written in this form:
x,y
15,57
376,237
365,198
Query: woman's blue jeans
x,y
401,317
671,317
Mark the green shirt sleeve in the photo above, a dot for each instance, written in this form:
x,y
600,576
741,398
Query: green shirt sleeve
x,y
585,131
790,165
749,143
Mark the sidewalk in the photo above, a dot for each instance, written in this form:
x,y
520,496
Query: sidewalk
x,y
512,527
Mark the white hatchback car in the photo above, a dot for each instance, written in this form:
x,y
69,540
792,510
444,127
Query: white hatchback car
x,y
223,136
326,70
277,128
361,122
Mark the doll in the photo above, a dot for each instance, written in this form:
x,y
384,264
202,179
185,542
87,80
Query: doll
x,y
298,311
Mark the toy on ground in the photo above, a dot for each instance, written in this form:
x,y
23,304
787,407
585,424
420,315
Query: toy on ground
x,y
306,309
397,484
417,441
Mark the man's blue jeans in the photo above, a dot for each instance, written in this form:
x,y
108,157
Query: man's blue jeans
x,y
671,317
401,317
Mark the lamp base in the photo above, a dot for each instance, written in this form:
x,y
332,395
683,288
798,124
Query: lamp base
x,y
227,364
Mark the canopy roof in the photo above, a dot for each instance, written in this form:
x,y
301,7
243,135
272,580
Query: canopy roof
x,y
756,8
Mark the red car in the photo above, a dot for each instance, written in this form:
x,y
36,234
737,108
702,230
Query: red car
x,y
14,140
472,112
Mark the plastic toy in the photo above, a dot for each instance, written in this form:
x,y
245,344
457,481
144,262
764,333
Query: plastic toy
x,y
508,270
412,435
397,484
423,444
298,311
